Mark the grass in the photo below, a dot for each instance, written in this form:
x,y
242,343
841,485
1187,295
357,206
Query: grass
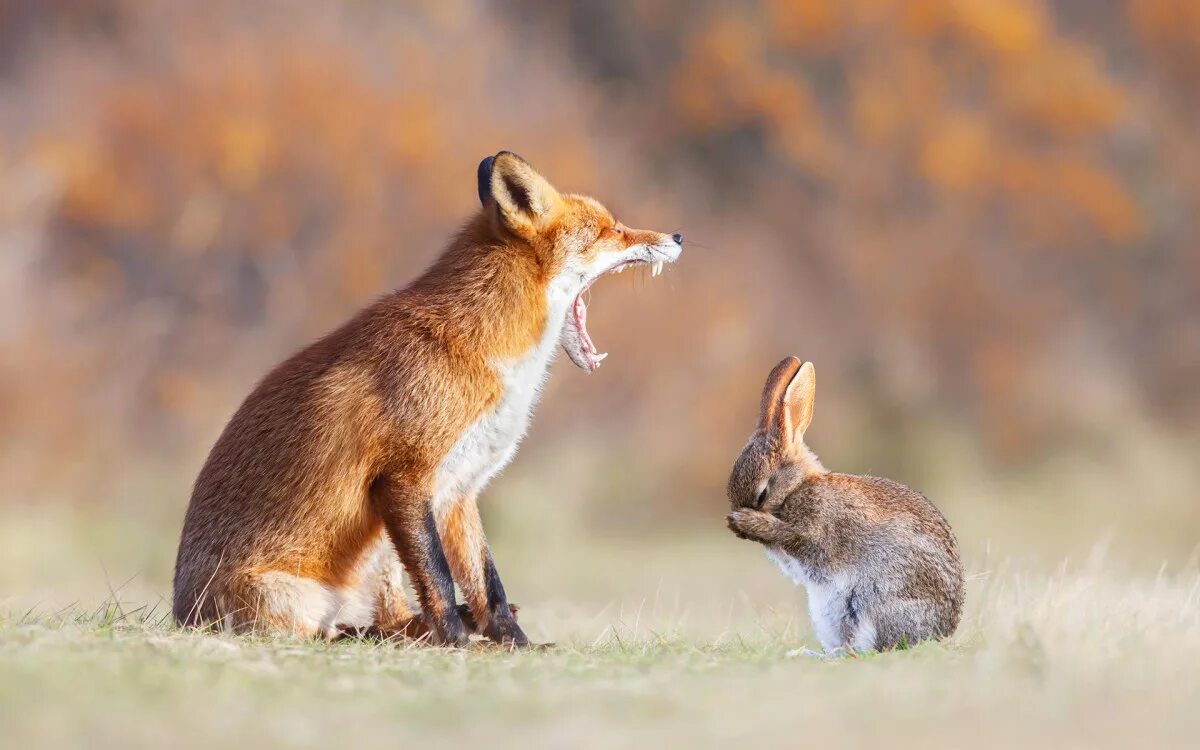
x,y
1078,657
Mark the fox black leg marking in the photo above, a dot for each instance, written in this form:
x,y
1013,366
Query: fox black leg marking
x,y
444,617
413,529
502,627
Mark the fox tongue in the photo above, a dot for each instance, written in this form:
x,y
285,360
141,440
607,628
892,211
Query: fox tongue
x,y
581,321
585,340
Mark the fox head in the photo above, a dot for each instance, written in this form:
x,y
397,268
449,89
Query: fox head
x,y
575,239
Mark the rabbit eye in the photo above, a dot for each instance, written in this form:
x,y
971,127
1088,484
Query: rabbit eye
x,y
762,496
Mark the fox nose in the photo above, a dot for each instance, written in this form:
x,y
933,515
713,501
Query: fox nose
x,y
678,238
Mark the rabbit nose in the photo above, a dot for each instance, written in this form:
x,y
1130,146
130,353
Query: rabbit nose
x,y
678,238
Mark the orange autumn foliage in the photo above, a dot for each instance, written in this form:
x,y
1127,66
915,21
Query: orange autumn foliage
x,y
978,212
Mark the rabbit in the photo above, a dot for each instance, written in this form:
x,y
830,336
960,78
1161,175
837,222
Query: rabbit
x,y
878,560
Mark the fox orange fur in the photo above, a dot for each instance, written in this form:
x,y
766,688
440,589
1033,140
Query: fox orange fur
x,y
365,452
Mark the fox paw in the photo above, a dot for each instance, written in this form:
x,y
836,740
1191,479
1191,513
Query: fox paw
x,y
472,625
504,630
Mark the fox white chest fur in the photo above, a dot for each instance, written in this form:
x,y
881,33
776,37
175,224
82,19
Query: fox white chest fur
x,y
489,444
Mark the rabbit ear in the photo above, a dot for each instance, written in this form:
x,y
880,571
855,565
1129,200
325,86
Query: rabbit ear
x,y
771,414
798,401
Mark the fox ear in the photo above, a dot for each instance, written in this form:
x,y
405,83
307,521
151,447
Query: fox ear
x,y
523,197
483,180
771,411
798,401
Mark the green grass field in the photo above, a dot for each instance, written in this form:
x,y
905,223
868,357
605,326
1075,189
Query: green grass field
x,y
679,645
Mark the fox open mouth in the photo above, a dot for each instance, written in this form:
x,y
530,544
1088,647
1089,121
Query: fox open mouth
x,y
575,338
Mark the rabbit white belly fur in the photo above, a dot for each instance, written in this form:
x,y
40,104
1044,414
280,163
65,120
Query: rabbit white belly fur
x,y
827,604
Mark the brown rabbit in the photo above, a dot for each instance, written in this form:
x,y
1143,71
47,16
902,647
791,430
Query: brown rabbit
x,y
879,561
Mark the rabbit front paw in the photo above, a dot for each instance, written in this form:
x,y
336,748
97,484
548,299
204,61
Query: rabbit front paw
x,y
751,524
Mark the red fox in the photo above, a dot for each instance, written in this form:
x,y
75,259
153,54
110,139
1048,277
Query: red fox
x,y
366,451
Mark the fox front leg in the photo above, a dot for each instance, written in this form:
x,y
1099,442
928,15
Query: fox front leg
x,y
408,516
757,526
475,572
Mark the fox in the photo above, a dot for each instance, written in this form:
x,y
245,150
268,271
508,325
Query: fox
x,y
362,457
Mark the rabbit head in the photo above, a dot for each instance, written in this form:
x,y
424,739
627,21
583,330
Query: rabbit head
x,y
776,451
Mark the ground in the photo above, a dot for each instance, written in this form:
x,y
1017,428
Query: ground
x,y
681,646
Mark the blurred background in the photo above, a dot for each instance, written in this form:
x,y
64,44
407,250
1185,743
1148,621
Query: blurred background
x,y
977,217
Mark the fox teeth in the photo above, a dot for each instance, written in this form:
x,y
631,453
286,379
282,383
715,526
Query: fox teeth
x,y
599,357
656,268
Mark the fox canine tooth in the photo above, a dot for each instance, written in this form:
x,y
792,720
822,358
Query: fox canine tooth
x,y
658,264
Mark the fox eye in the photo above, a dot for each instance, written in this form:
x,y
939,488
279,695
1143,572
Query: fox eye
x,y
617,230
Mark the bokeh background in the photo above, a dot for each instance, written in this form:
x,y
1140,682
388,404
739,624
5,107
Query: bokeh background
x,y
977,217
